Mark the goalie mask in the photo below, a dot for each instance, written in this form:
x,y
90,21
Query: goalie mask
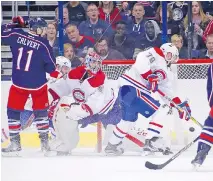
x,y
63,64
170,52
93,62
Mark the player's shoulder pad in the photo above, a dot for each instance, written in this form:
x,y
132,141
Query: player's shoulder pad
x,y
98,79
159,52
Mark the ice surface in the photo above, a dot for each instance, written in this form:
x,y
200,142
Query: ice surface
x,y
85,165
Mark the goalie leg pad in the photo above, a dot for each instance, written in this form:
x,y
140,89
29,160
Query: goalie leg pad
x,y
67,132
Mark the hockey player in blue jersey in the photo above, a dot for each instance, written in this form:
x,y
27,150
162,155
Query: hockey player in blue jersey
x,y
206,137
32,59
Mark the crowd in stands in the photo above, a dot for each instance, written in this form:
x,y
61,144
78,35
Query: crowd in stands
x,y
120,30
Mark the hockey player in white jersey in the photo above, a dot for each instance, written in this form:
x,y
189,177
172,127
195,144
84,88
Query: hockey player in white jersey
x,y
63,66
85,86
147,75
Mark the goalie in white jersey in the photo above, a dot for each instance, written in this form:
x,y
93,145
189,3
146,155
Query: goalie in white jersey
x,y
82,94
148,74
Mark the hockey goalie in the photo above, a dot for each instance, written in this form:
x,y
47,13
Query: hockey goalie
x,y
82,94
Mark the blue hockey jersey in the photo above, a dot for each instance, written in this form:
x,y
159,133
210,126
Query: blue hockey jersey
x,y
32,57
209,85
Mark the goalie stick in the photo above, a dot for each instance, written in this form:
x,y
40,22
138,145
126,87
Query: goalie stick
x,y
153,166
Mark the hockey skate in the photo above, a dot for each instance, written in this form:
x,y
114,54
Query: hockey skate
x,y
14,149
155,145
203,150
114,150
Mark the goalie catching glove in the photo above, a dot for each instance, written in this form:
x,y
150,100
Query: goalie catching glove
x,y
184,106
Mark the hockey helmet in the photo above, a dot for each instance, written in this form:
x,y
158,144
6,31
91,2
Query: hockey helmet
x,y
37,25
63,61
170,52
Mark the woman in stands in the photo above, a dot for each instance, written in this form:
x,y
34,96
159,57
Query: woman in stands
x,y
70,54
172,28
200,21
109,13
52,37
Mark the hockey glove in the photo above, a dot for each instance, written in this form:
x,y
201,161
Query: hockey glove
x,y
152,82
52,107
20,21
185,108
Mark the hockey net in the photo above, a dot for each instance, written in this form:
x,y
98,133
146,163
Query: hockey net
x,y
186,69
190,83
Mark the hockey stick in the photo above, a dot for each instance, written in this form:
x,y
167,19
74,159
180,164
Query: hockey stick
x,y
153,166
160,166
4,136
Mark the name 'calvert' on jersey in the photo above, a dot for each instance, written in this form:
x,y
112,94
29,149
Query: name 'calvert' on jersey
x,y
32,57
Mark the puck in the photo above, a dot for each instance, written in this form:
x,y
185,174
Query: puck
x,y
191,129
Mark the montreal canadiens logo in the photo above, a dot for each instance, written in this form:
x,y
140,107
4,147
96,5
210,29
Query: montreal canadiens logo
x,y
78,95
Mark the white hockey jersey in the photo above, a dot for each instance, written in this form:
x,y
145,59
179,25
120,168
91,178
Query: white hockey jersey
x,y
148,62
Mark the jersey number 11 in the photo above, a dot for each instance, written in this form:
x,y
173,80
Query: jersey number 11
x,y
29,57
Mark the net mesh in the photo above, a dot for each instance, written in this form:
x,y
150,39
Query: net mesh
x,y
114,71
184,71
192,71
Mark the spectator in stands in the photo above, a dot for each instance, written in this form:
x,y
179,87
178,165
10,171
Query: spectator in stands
x,y
80,43
92,2
77,11
70,54
172,27
109,13
208,53
177,40
66,21
65,16
208,30
52,37
94,26
121,42
179,10
150,7
200,21
106,53
136,26
126,12
152,37
207,8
